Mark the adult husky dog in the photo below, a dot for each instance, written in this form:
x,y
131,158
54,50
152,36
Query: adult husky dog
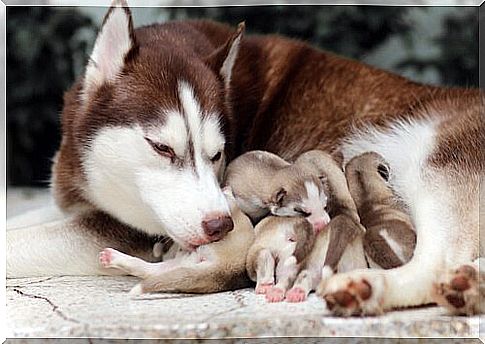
x,y
160,110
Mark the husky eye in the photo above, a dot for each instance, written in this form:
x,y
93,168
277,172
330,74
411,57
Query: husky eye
x,y
216,157
162,149
301,212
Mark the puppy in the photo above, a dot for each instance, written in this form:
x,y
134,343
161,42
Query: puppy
x,y
390,238
339,247
214,267
274,259
265,183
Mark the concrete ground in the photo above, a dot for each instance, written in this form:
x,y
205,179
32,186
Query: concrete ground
x,y
100,307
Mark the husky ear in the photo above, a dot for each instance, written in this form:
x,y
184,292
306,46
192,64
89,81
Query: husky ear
x,y
115,41
222,60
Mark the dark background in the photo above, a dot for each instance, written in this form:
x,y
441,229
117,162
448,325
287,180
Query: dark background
x,y
47,48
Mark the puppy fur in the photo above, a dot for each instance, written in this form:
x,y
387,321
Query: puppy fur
x,y
274,259
263,182
390,236
340,246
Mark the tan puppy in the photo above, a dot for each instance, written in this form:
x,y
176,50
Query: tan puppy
x,y
214,267
339,247
390,238
264,183
280,246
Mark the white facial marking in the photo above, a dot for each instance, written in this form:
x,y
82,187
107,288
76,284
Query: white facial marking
x,y
173,133
315,203
147,191
213,140
110,49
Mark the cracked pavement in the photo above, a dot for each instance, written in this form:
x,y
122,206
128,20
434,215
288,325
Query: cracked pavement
x,y
99,306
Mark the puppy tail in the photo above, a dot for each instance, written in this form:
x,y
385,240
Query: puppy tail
x,y
211,279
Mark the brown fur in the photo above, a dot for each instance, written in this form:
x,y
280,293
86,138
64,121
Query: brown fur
x,y
379,210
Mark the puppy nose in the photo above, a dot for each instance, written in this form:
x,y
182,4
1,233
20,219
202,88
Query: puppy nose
x,y
216,227
319,225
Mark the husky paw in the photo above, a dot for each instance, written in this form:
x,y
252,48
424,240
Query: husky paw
x,y
459,292
275,295
263,288
295,295
109,258
353,293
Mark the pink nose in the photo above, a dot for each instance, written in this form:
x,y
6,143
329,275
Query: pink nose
x,y
217,226
319,225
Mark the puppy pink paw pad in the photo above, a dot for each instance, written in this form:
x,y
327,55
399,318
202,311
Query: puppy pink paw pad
x,y
296,295
275,295
105,257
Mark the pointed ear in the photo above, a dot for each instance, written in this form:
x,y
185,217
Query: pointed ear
x,y
222,60
115,41
278,196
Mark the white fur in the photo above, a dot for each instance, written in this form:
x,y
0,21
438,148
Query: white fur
x,y
315,203
406,147
110,49
396,248
47,249
128,179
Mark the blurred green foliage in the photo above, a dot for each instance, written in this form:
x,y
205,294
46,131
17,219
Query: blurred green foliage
x,y
47,48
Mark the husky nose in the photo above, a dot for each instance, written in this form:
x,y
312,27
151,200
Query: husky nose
x,y
216,227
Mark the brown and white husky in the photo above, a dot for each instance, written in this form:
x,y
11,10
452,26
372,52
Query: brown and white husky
x,y
160,110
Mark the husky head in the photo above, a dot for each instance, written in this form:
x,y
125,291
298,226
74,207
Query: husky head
x,y
155,128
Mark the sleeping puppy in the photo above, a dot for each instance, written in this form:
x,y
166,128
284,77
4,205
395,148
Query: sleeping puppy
x,y
264,183
274,259
213,267
390,237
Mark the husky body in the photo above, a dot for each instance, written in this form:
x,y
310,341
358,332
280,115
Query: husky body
x,y
161,109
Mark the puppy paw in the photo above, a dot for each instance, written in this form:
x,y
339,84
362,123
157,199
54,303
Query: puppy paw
x,y
109,258
353,293
262,288
459,291
275,295
296,295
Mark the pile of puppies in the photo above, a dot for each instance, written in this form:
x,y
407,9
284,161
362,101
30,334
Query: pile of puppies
x,y
310,219
313,219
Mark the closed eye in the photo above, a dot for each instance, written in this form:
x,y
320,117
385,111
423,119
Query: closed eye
x,y
161,149
216,157
301,211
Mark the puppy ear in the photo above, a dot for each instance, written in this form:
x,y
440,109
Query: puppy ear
x,y
383,171
114,44
222,60
278,196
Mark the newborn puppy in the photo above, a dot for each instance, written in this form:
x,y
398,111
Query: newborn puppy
x,y
214,267
339,247
280,246
390,238
264,183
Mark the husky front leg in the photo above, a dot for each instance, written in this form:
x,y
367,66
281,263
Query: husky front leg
x,y
70,246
